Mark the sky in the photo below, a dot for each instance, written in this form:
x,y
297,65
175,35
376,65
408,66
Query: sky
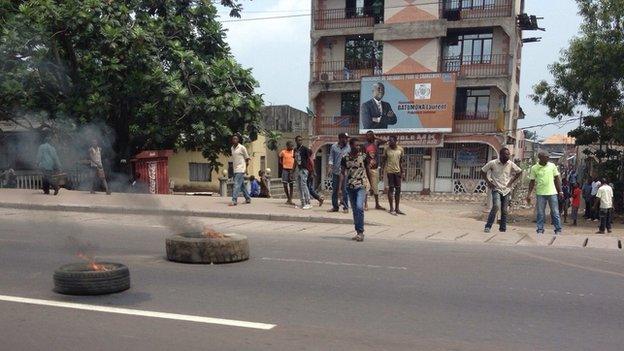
x,y
278,51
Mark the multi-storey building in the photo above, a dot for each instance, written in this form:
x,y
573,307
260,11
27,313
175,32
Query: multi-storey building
x,y
472,47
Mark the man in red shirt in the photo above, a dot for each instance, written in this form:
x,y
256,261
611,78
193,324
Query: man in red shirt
x,y
576,201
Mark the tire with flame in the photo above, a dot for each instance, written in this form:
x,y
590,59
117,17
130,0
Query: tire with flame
x,y
196,248
81,279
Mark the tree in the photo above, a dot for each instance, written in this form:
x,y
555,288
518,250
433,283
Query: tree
x,y
588,80
157,72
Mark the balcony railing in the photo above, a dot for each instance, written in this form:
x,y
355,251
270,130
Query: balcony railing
x,y
333,125
492,65
476,122
454,10
347,17
344,70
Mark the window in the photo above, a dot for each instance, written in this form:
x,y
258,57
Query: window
x,y
469,48
350,104
362,51
473,104
200,172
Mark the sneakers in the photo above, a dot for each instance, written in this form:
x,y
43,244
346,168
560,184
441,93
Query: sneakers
x,y
557,232
307,207
358,237
487,230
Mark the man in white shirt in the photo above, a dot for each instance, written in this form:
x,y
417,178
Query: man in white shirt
x,y
240,162
595,185
498,176
97,168
604,203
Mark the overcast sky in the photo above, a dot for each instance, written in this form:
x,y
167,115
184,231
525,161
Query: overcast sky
x,y
278,51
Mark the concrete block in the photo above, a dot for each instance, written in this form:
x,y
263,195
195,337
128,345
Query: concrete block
x,y
603,242
536,240
570,241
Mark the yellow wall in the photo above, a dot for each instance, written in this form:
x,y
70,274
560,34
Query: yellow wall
x,y
179,166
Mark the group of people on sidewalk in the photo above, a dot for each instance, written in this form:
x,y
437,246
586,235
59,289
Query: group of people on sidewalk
x,y
501,174
356,168
50,166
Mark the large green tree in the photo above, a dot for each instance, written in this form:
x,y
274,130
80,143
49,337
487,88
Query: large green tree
x,y
588,80
157,72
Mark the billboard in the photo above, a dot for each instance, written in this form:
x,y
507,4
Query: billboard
x,y
408,103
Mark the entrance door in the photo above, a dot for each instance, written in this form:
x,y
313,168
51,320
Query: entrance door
x,y
414,169
444,175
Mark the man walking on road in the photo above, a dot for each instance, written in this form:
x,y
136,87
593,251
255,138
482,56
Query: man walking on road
x,y
302,155
337,152
595,186
372,150
354,172
287,162
97,168
545,178
48,162
240,162
604,204
587,190
392,163
498,176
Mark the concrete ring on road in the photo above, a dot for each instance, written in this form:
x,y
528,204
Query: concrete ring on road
x,y
197,248
84,279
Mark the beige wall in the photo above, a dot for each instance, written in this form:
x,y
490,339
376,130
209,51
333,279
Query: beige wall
x,y
399,11
411,56
179,166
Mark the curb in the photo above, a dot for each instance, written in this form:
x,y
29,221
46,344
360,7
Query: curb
x,y
186,213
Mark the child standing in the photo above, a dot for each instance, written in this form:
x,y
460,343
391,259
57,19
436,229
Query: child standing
x,y
576,201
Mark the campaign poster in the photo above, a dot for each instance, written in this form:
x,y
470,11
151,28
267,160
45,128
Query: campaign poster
x,y
408,103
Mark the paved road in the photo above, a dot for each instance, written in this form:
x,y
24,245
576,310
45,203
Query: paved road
x,y
321,290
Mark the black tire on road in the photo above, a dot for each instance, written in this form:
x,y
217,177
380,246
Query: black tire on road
x,y
196,248
80,279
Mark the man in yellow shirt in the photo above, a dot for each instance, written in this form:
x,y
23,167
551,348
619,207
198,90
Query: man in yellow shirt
x,y
392,164
546,180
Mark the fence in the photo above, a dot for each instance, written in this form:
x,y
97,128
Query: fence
x,y
472,66
344,70
347,17
34,179
333,125
455,10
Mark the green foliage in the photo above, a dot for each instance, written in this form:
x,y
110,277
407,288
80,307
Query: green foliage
x,y
588,79
159,73
272,139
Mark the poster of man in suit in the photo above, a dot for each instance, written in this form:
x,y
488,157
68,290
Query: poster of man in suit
x,y
376,113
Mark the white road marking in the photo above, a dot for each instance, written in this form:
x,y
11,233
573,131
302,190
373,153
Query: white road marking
x,y
142,313
330,263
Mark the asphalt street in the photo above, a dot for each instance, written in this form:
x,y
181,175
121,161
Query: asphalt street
x,y
321,290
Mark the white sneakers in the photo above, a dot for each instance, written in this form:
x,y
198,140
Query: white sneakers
x,y
307,207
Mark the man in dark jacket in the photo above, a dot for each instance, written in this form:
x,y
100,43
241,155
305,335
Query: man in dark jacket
x,y
377,114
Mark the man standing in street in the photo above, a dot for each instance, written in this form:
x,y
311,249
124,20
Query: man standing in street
x,y
392,164
354,172
372,150
48,162
595,186
240,162
337,152
604,204
287,162
587,190
545,178
498,176
302,155
97,168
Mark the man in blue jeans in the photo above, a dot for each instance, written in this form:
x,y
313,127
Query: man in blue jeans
x,y
498,176
355,169
240,162
546,180
337,152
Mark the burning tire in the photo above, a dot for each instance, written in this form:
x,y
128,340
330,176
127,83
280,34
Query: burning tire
x,y
197,248
83,279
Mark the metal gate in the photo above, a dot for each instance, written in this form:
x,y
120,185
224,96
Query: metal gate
x,y
458,168
414,169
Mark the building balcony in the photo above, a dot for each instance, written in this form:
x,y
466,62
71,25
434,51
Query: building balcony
x,y
493,65
333,125
332,71
347,18
476,122
454,10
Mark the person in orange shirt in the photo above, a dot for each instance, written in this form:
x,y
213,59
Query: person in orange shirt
x,y
287,163
576,201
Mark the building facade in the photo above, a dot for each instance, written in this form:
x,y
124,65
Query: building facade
x,y
472,47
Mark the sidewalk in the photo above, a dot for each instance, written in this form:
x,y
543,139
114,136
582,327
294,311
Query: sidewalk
x,y
450,222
